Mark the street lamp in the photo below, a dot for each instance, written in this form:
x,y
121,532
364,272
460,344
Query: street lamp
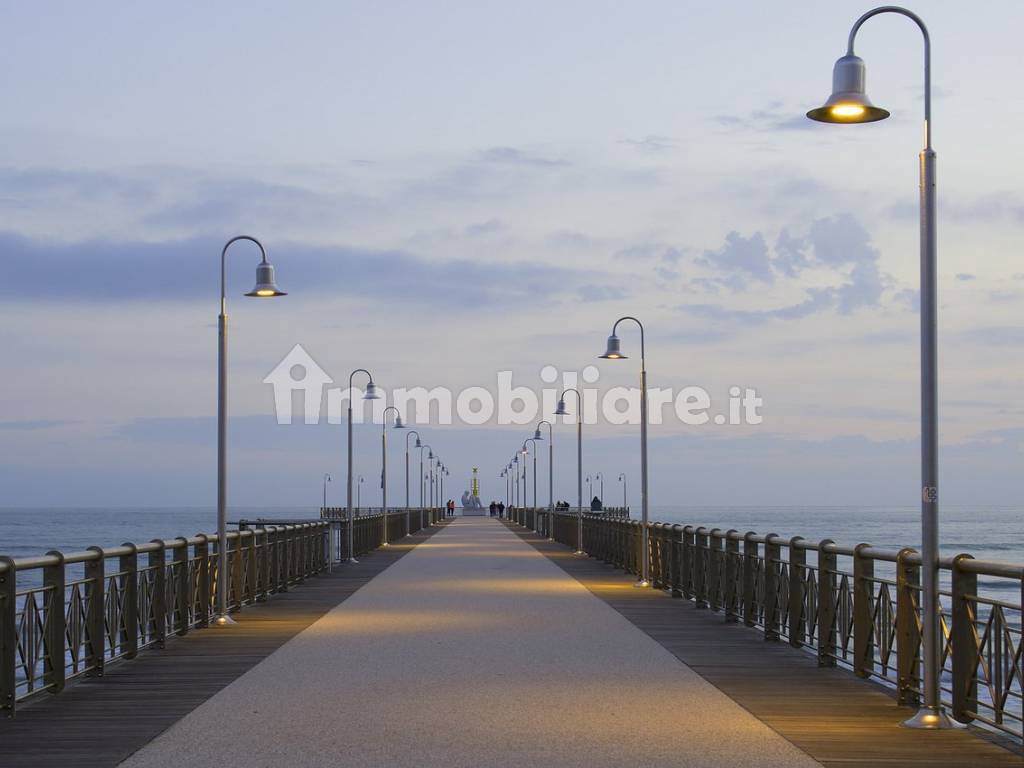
x,y
551,474
359,493
590,489
614,352
849,104
265,288
622,479
601,475
534,441
327,479
515,461
369,394
562,411
384,463
408,514
423,483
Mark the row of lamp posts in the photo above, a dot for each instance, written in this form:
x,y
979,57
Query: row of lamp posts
x,y
848,104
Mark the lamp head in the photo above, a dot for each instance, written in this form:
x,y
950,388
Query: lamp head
x,y
430,454
537,435
266,286
418,443
399,424
371,392
561,409
614,350
849,103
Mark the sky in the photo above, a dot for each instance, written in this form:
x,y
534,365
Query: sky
x,y
456,189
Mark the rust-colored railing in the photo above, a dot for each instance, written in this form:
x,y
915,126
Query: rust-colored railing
x,y
63,615
856,607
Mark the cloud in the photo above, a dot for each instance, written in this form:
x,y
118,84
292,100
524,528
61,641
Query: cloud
x,y
593,292
33,425
774,117
651,144
838,244
964,276
189,269
666,253
513,156
741,258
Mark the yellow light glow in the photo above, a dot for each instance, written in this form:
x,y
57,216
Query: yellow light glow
x,y
264,292
848,110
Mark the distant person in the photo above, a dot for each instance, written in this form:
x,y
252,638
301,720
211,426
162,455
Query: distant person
x,y
451,508
493,509
595,505
501,509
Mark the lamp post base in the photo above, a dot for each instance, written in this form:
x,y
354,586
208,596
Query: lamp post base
x,y
642,584
579,552
930,719
223,620
351,560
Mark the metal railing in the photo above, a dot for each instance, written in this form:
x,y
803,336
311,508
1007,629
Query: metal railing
x,y
856,607
369,522
78,612
539,519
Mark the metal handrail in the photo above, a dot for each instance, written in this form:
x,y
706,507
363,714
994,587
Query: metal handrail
x,y
849,616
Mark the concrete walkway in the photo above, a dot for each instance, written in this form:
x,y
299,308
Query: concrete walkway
x,y
472,650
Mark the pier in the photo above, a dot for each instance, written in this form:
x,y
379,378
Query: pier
x,y
478,641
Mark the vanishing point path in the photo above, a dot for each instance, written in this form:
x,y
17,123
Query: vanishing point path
x,y
474,649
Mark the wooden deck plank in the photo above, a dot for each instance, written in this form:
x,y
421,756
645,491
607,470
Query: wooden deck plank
x,y
834,716
98,722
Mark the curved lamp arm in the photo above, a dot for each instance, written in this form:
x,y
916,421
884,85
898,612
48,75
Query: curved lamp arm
x,y
223,264
643,350
927,57
409,434
545,421
352,376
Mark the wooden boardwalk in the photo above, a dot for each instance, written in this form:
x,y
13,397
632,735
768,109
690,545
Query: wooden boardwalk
x,y
99,722
838,719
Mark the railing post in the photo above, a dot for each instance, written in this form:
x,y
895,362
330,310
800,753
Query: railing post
x,y
772,560
201,555
252,570
8,636
676,554
235,564
714,569
181,596
827,565
95,589
749,578
966,658
732,556
53,668
263,584
908,632
129,567
863,634
797,591
158,600
686,562
700,569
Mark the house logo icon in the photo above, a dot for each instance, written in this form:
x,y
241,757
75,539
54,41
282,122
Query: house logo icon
x,y
298,372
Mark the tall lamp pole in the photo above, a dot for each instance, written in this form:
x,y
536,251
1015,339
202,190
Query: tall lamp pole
x,y
384,463
849,104
265,287
590,489
613,352
622,479
408,514
562,411
515,461
424,521
551,474
534,441
327,479
369,394
359,493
